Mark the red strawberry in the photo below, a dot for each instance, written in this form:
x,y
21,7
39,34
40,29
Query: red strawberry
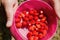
x,y
18,25
35,37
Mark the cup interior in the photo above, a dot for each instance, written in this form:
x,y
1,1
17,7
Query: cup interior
x,y
48,12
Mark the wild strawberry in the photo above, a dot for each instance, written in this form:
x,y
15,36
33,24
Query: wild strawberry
x,y
30,17
26,19
42,27
24,12
36,38
40,30
37,22
19,15
18,25
36,14
36,29
35,18
27,14
38,25
35,11
31,38
23,15
35,33
29,34
44,32
46,27
43,19
40,35
32,21
24,23
32,12
29,24
42,24
17,20
31,28
41,16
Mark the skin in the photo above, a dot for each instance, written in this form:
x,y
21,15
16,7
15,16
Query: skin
x,y
57,7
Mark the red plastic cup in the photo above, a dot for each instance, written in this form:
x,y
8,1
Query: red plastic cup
x,y
21,34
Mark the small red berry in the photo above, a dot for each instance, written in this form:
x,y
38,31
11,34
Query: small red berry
x,y
36,18
29,24
44,32
46,22
29,34
31,38
42,27
38,25
27,14
24,23
46,27
36,29
40,30
24,12
40,35
36,14
30,17
26,19
42,24
41,16
35,37
18,25
35,11
32,21
34,26
22,15
32,12
19,16
43,19
31,28
37,22
17,20
35,33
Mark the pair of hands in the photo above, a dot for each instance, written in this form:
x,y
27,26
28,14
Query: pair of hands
x,y
11,6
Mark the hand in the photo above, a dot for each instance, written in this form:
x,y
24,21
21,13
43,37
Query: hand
x,y
10,8
57,7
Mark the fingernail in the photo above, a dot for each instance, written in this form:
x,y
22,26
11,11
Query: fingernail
x,y
9,23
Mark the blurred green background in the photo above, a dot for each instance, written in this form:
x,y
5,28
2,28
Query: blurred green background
x,y
5,33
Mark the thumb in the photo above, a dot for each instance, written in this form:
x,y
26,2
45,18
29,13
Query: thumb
x,y
57,7
9,12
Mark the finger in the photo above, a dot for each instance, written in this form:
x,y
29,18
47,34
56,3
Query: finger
x,y
57,7
15,6
9,12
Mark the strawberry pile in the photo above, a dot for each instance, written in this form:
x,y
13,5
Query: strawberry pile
x,y
34,21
